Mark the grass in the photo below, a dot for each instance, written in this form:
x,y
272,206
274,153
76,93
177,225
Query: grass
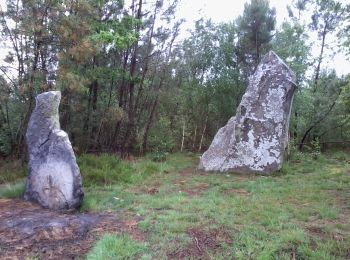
x,y
300,212
11,171
12,175
116,247
296,212
14,190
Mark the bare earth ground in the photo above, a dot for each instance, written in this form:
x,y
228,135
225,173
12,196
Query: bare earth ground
x,y
27,230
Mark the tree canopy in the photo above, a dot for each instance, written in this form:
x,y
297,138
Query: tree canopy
x,y
130,85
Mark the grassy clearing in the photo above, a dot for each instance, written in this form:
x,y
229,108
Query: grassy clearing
x,y
300,212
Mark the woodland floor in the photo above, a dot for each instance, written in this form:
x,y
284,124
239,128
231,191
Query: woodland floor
x,y
170,210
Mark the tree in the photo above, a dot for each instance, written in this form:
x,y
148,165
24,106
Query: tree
x,y
256,29
290,43
325,20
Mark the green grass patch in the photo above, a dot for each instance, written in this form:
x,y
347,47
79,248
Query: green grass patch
x,y
109,169
116,247
14,190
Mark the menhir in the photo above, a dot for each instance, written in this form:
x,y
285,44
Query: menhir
x,y
54,179
255,139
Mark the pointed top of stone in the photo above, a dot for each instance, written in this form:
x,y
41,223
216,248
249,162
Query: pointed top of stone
x,y
272,58
48,102
49,95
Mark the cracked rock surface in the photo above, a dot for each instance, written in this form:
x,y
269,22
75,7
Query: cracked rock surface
x,y
54,179
256,138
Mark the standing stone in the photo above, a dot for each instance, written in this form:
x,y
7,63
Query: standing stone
x,y
256,138
54,179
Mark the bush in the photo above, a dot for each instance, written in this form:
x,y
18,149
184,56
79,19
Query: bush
x,y
159,156
315,149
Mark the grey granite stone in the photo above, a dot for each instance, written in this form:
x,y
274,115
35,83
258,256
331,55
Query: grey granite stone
x,y
54,179
256,138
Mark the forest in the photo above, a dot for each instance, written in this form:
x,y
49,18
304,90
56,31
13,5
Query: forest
x,y
131,84
141,100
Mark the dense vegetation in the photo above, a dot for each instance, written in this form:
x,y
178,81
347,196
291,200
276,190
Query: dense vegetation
x,y
131,85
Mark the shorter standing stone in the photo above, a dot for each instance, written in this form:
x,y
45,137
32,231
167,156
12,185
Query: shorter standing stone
x,y
54,179
256,138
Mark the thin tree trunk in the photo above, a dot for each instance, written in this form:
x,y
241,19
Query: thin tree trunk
x,y
148,127
183,136
306,134
202,137
194,138
320,58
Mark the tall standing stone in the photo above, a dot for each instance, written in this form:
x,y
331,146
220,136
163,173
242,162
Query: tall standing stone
x,y
54,179
256,138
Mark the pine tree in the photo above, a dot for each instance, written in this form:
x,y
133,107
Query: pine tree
x,y
256,29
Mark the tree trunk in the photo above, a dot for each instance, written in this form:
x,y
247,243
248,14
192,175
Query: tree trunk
x,y
320,58
130,129
148,127
202,137
306,134
194,138
183,136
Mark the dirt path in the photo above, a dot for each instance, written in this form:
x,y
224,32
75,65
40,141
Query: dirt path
x,y
27,230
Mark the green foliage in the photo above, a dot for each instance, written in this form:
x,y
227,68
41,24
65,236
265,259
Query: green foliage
x,y
128,85
290,43
116,247
5,142
117,33
315,149
256,26
162,137
159,156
